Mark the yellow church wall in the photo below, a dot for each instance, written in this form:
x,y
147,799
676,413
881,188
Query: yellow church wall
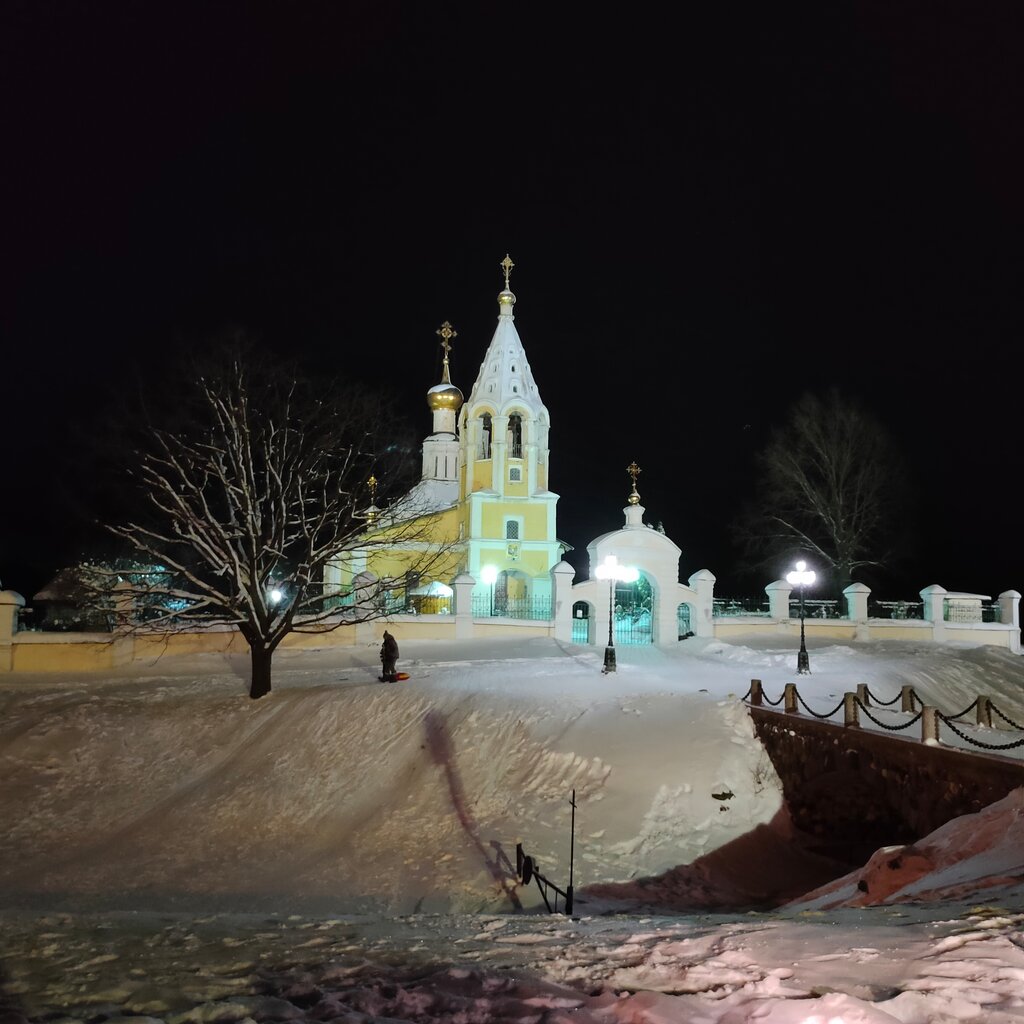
x,y
518,489
206,642
481,480
529,563
64,656
339,636
411,551
534,519
419,627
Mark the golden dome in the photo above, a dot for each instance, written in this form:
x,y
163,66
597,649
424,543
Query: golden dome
x,y
506,298
444,396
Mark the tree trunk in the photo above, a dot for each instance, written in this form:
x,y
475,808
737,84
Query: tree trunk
x,y
260,660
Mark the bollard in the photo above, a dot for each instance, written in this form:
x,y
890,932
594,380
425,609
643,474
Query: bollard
x,y
756,693
851,719
862,694
907,698
984,713
930,726
791,708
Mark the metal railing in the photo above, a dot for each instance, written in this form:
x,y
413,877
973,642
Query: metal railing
x,y
968,613
896,609
418,604
817,609
725,606
497,607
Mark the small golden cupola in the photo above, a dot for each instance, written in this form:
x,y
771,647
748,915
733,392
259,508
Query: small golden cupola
x,y
438,487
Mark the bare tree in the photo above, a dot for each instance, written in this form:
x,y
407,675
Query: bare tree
x,y
262,483
828,486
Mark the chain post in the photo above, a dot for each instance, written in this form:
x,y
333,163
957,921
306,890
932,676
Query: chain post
x,y
756,693
791,708
862,694
851,720
984,716
907,699
930,725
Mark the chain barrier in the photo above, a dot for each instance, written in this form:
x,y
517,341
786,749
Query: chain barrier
x,y
803,704
979,743
1008,721
882,725
948,719
970,707
884,703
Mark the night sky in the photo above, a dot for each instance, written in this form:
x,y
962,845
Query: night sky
x,y
710,213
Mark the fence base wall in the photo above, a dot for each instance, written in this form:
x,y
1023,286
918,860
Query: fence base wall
x,y
865,790
96,652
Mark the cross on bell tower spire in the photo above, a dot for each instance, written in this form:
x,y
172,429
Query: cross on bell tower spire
x,y
506,266
447,333
634,471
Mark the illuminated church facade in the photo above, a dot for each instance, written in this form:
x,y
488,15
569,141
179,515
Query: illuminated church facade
x,y
484,491
484,505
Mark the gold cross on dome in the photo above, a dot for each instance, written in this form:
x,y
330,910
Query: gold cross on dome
x,y
506,266
634,471
372,484
447,333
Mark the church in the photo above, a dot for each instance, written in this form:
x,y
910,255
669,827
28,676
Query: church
x,y
472,550
484,491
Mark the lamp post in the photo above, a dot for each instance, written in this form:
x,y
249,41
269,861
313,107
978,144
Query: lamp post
x,y
611,571
489,574
801,577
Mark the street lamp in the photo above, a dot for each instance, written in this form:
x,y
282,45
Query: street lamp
x,y
489,574
801,577
611,571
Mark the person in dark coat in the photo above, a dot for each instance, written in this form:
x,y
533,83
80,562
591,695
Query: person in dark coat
x,y
388,657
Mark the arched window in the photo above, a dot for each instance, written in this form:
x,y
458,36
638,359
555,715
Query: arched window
x,y
485,436
515,436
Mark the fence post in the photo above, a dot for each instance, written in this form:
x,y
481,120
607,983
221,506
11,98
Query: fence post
x,y
124,606
756,693
984,713
934,598
857,595
862,694
10,602
907,698
463,585
850,716
790,691
930,725
778,599
561,599
703,582
1009,615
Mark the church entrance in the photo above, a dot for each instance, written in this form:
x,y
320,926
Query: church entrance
x,y
633,609
684,627
581,623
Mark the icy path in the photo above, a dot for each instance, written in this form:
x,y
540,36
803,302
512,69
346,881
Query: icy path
x,y
910,965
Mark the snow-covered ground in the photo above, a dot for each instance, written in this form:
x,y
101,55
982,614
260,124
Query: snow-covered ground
x,y
343,849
